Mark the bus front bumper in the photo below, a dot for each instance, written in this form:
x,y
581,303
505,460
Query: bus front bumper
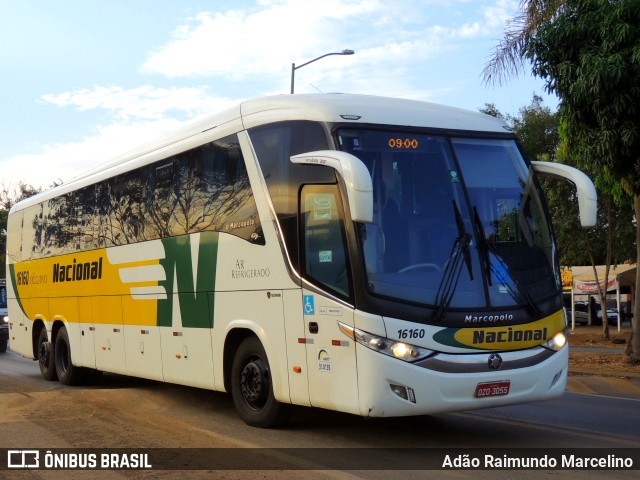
x,y
389,387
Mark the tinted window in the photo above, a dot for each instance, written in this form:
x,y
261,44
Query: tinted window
x,y
204,189
325,256
274,145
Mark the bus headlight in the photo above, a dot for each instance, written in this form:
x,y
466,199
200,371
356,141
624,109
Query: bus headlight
x,y
5,318
393,348
556,343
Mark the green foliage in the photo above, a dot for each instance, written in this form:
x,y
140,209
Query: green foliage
x,y
537,128
491,109
589,54
535,125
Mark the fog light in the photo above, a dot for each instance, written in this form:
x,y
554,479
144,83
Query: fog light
x,y
400,391
406,393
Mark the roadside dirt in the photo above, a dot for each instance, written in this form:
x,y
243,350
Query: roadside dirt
x,y
597,361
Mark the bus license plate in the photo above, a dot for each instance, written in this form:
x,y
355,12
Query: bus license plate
x,y
492,389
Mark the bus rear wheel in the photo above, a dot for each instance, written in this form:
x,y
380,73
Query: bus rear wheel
x,y
68,374
252,388
45,357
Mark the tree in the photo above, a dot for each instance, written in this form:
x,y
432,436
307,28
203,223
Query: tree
x,y
537,129
491,109
588,53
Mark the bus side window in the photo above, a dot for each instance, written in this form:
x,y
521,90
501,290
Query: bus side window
x,y
325,253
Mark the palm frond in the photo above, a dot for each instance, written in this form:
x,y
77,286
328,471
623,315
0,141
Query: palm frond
x,y
508,57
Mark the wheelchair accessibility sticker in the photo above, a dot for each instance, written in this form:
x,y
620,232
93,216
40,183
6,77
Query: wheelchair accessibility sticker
x,y
309,306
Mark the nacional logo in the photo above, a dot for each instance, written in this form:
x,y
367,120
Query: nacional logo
x,y
76,272
509,335
513,337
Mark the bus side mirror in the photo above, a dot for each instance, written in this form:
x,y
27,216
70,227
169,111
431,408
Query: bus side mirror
x,y
356,178
587,196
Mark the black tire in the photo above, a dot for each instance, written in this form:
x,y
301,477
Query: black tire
x,y
3,345
46,359
68,374
252,389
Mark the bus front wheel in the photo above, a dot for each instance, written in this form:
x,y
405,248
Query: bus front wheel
x,y
252,388
45,357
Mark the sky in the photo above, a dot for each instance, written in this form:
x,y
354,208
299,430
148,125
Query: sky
x,y
83,81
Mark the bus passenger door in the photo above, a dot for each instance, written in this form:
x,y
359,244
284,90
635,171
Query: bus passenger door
x,y
331,357
20,325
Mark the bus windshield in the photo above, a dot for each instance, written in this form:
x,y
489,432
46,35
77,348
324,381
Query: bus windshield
x,y
458,222
3,296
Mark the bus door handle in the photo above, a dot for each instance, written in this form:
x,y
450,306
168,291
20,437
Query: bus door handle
x,y
313,327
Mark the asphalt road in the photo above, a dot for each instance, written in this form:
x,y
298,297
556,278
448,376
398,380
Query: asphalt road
x,y
122,412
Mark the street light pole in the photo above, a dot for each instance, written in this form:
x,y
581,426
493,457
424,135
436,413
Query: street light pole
x,y
294,68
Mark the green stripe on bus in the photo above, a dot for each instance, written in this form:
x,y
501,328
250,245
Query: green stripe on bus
x,y
13,282
195,302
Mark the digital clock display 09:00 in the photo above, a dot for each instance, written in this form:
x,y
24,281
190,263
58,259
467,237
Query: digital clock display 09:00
x,y
403,143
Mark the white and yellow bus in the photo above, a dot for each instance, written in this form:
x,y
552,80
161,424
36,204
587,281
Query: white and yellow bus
x,y
376,256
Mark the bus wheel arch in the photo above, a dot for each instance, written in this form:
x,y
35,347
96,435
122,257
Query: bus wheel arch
x,y
231,343
37,327
250,382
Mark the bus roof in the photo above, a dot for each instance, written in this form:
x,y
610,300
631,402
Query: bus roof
x,y
332,108
339,107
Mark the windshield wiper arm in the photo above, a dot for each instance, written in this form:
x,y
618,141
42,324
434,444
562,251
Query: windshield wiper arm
x,y
453,269
462,233
486,248
483,246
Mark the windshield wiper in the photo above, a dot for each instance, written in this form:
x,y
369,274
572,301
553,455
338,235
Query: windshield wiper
x,y
453,268
462,232
487,248
483,246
